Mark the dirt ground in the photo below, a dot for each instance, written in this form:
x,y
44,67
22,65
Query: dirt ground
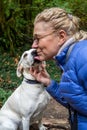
x,y
55,117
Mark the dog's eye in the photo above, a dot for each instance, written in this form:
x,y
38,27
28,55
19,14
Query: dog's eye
x,y
25,55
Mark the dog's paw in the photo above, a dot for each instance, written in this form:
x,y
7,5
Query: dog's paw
x,y
42,127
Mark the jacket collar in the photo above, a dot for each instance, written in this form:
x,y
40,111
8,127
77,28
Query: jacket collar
x,y
60,58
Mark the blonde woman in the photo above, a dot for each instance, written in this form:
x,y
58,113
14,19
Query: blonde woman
x,y
57,36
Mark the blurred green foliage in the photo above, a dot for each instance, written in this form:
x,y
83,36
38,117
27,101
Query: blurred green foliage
x,y
17,16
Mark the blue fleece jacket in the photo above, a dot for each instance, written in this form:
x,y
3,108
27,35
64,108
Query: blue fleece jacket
x,y
72,88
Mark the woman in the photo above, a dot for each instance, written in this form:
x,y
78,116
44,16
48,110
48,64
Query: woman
x,y
57,36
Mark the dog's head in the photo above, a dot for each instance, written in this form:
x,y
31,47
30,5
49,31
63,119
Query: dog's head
x,y
26,61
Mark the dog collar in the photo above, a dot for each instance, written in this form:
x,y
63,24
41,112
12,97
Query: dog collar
x,y
32,81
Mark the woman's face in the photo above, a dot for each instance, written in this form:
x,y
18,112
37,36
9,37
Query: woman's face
x,y
47,42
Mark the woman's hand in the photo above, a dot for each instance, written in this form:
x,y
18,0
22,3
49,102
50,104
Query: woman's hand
x,y
41,74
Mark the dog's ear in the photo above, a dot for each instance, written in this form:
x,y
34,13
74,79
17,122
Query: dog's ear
x,y
19,69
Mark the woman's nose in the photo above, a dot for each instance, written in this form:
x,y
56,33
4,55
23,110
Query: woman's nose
x,y
34,45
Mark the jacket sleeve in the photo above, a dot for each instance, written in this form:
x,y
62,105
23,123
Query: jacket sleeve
x,y
53,90
72,88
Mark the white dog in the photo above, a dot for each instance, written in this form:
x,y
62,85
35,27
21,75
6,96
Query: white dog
x,y
28,101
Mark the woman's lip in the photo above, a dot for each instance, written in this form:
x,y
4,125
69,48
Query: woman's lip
x,y
38,52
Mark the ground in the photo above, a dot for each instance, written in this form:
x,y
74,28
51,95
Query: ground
x,y
55,117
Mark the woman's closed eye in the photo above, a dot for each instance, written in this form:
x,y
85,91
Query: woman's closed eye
x,y
36,39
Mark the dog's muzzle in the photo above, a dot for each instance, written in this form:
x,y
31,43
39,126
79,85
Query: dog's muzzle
x,y
34,54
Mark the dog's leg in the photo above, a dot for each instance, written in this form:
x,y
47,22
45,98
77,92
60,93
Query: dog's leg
x,y
25,123
20,127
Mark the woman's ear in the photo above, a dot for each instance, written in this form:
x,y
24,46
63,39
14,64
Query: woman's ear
x,y
62,35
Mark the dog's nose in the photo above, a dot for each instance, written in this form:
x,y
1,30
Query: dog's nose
x,y
34,53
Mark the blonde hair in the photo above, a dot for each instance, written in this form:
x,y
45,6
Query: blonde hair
x,y
60,19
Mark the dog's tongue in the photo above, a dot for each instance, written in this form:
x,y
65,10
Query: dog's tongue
x,y
37,58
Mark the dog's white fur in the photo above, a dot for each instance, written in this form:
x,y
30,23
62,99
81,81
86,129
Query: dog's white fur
x,y
28,101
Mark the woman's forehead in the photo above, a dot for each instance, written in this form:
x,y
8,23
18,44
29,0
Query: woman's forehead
x,y
42,27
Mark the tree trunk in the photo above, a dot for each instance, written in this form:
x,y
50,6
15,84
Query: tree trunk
x,y
2,18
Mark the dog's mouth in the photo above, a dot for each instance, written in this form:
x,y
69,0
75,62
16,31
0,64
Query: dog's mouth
x,y
34,54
